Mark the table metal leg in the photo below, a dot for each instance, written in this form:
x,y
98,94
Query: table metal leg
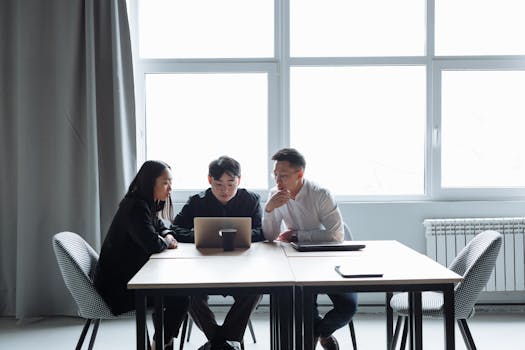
x,y
415,319
140,306
159,320
410,320
286,319
274,321
389,320
418,321
298,312
308,319
449,316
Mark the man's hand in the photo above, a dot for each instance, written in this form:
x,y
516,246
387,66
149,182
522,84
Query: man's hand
x,y
287,236
279,198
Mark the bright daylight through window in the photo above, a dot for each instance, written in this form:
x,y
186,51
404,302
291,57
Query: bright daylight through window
x,y
407,99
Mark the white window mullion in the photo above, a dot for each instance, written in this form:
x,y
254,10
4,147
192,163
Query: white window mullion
x,y
432,129
278,120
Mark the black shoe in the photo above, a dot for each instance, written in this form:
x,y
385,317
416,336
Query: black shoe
x,y
329,343
316,340
216,344
231,345
206,346
169,345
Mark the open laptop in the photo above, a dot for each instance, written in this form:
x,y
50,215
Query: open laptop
x,y
327,246
206,231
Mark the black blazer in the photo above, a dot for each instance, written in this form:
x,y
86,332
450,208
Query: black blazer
x,y
135,233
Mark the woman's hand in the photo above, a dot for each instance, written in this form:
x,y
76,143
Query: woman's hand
x,y
172,242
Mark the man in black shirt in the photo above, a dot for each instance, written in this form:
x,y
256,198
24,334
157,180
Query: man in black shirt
x,y
223,198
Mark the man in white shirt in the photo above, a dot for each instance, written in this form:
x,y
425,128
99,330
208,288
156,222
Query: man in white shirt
x,y
309,213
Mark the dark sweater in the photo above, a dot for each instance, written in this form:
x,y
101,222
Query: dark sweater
x,y
135,233
204,204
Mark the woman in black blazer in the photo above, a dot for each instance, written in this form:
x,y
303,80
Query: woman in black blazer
x,y
135,233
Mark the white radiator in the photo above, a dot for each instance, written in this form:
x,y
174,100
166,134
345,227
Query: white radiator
x,y
446,237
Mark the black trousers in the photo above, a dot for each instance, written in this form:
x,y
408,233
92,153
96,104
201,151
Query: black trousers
x,y
235,322
345,306
175,309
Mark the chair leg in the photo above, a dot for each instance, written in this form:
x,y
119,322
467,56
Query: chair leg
x,y
94,334
405,334
467,336
190,326
183,332
352,334
250,327
399,322
83,334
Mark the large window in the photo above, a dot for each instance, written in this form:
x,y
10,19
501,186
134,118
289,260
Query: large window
x,y
205,28
407,99
474,27
357,145
358,28
194,118
478,99
205,77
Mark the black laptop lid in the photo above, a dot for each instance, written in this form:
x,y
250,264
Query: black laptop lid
x,y
327,246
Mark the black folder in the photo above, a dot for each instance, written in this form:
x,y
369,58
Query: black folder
x,y
349,272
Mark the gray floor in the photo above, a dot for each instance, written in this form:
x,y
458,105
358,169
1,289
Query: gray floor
x,y
491,330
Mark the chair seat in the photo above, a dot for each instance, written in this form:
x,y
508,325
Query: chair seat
x,y
99,310
431,303
110,316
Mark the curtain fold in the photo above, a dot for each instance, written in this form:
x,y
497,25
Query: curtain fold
x,y
67,139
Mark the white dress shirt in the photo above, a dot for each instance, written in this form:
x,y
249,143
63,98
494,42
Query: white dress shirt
x,y
313,215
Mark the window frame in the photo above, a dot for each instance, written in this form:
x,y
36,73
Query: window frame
x,y
464,63
268,65
278,70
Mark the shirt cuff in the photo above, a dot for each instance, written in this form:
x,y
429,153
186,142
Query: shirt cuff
x,y
303,236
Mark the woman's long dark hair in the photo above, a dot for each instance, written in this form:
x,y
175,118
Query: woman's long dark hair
x,y
143,184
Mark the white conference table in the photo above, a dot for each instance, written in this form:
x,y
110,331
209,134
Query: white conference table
x,y
262,269
279,270
403,269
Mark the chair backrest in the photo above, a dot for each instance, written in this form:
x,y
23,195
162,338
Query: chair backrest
x,y
77,262
348,232
474,263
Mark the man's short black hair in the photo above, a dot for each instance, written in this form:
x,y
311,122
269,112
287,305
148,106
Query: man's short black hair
x,y
291,155
224,164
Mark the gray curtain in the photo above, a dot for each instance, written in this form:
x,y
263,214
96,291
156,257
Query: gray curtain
x,y
67,139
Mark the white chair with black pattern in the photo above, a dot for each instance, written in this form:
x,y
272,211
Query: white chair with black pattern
x,y
474,263
77,262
